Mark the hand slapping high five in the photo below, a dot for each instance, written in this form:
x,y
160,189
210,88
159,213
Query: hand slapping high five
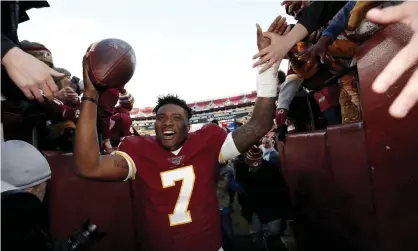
x,y
406,58
278,26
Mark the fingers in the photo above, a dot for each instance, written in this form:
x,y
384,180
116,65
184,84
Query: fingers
x,y
54,73
259,32
309,55
276,69
406,99
262,60
71,95
261,53
322,57
46,91
27,93
85,66
388,15
274,24
281,26
267,66
404,60
269,34
304,55
288,28
294,6
51,86
36,92
286,2
259,37
257,55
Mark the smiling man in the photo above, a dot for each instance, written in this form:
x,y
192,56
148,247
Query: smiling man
x,y
175,172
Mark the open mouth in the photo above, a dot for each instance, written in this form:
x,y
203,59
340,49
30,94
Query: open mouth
x,y
169,135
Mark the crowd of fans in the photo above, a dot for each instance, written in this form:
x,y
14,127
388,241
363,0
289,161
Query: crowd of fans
x,y
320,89
56,117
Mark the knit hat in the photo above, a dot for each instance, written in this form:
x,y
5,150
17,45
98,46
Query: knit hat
x,y
64,71
39,51
57,79
7,187
126,100
254,155
22,165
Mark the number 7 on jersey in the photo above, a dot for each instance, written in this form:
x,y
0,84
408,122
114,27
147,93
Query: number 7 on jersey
x,y
181,214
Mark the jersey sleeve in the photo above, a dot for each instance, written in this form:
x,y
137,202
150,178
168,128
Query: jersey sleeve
x,y
125,148
228,150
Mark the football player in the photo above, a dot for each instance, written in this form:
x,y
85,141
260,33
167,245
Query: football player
x,y
174,173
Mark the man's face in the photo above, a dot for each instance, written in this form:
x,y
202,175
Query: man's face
x,y
38,190
171,126
267,142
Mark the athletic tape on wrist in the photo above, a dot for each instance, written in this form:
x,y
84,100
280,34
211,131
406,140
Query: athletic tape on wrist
x,y
266,83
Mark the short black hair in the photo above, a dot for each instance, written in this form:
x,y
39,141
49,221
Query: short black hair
x,y
281,76
215,121
174,100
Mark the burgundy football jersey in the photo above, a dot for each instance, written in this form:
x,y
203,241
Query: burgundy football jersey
x,y
175,195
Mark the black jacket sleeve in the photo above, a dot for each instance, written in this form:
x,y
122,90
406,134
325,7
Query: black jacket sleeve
x,y
6,45
319,14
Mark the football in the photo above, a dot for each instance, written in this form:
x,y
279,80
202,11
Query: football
x,y
111,63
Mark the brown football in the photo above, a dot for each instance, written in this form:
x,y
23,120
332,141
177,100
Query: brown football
x,y
111,63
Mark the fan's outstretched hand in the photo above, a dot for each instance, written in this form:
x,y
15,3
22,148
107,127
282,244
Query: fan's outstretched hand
x,y
406,58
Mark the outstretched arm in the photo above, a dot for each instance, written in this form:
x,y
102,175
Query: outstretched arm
x,y
262,119
88,161
406,58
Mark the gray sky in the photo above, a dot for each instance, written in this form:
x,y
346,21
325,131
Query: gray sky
x,y
199,49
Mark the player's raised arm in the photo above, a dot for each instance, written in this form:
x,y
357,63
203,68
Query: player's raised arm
x,y
262,119
88,161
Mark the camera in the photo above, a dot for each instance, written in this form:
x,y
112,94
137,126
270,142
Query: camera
x,y
83,238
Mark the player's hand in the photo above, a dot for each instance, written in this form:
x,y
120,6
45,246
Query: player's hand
x,y
406,58
88,85
317,50
278,26
273,54
32,76
270,39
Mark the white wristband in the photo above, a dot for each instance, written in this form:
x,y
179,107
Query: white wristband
x,y
266,83
131,164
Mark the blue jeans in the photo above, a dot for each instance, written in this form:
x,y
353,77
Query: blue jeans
x,y
261,233
227,231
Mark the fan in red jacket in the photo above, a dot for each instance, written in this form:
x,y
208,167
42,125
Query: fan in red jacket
x,y
107,102
121,122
